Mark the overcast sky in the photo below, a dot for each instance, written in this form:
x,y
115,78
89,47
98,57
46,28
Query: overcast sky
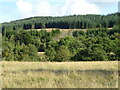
x,y
18,9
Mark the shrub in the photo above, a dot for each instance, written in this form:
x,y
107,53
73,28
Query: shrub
x,y
63,54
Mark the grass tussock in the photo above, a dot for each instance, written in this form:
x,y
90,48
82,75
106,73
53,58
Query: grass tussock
x,y
60,74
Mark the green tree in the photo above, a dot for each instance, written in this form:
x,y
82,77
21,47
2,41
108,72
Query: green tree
x,y
23,37
51,53
98,54
63,54
8,51
32,52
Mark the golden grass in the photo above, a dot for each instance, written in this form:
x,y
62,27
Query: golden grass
x,y
60,74
64,30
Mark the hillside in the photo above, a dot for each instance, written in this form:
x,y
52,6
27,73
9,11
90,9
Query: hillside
x,y
64,22
67,38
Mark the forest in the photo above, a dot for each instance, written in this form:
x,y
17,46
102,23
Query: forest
x,y
64,22
21,41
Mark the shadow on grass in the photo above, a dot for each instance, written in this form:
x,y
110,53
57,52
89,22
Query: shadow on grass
x,y
106,72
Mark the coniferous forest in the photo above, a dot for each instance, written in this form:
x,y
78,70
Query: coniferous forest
x,y
98,38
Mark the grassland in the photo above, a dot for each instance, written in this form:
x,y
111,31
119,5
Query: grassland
x,y
64,30
60,74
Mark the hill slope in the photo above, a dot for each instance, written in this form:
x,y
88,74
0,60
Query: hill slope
x,y
64,22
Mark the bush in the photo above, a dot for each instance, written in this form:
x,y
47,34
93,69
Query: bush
x,y
63,54
32,52
89,54
51,53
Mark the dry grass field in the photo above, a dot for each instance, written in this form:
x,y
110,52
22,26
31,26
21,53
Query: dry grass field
x,y
60,74
64,30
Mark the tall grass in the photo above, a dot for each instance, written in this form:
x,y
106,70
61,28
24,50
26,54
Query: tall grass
x,y
60,74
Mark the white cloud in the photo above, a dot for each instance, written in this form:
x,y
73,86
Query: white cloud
x,y
80,7
25,8
42,8
45,8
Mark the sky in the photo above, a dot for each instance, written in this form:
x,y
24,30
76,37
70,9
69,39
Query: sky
x,y
11,10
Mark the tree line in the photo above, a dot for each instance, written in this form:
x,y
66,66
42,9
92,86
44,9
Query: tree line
x,y
97,43
64,22
92,45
